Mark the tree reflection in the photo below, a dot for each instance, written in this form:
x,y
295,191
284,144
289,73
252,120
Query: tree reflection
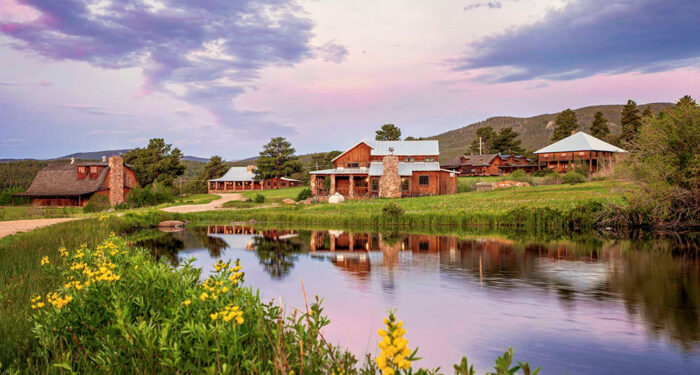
x,y
163,246
276,256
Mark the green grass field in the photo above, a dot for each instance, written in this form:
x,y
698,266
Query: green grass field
x,y
31,212
273,196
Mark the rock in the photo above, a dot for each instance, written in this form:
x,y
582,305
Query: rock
x,y
289,201
315,200
238,223
171,224
336,198
508,184
252,221
307,201
481,186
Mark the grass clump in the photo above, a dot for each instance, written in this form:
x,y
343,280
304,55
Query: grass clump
x,y
304,194
520,176
259,198
573,178
240,204
97,203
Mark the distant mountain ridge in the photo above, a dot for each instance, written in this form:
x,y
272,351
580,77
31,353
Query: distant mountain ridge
x,y
536,131
97,155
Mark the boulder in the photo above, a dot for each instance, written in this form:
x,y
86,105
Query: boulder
x,y
307,201
171,224
252,221
289,201
336,198
315,200
509,184
481,186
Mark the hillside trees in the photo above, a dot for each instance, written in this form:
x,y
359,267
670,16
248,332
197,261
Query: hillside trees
x,y
566,123
630,122
506,142
214,168
388,132
487,136
599,127
277,160
158,162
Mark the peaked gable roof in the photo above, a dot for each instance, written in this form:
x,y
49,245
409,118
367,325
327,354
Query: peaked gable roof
x,y
400,148
236,174
579,141
62,180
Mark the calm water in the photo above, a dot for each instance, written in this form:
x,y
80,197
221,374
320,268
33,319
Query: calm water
x,y
594,307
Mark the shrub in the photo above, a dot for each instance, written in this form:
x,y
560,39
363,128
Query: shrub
x,y
465,185
239,204
392,211
6,197
304,194
259,198
97,203
551,178
149,196
521,176
573,178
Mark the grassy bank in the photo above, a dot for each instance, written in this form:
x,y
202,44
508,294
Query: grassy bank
x,y
540,207
31,212
276,196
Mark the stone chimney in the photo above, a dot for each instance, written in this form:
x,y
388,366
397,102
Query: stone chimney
x,y
116,180
72,161
104,158
390,181
251,168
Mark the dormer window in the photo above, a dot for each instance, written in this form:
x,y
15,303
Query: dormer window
x,y
353,165
93,172
82,172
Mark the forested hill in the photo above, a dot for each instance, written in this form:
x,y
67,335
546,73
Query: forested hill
x,y
535,132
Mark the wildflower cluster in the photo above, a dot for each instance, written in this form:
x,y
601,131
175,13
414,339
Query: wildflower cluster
x,y
229,313
218,289
395,355
45,261
55,299
36,303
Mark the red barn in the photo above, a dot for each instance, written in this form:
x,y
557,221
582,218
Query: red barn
x,y
73,184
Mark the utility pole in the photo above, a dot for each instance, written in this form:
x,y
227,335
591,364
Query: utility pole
x,y
479,145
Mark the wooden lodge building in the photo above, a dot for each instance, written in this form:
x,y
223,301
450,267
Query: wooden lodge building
x,y
578,150
386,169
73,184
489,164
243,179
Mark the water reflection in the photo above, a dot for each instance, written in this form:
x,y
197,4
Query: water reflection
x,y
575,307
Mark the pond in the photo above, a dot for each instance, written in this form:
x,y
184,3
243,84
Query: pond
x,y
585,306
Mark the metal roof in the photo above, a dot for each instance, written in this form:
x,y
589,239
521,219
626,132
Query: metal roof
x,y
377,169
236,174
579,142
400,148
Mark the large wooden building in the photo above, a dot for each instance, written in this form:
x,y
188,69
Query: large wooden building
x,y
489,164
387,169
579,150
243,179
73,184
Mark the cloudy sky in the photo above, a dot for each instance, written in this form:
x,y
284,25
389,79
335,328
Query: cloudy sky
x,y
223,76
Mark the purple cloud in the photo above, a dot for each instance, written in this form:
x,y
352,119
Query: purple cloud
x,y
487,4
592,37
205,43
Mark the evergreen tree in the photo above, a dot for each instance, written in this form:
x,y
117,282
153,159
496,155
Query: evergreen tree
x,y
599,128
158,162
506,142
630,121
487,137
277,160
648,113
566,123
388,132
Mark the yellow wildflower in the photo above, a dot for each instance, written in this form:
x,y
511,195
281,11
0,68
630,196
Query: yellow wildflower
x,y
45,261
203,296
394,351
187,302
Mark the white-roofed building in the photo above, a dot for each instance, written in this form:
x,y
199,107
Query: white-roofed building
x,y
577,151
243,178
388,169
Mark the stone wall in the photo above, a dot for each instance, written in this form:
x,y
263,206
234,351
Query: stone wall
x,y
390,181
116,180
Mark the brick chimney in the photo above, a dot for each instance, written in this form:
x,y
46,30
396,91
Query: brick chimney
x,y
390,181
116,180
251,168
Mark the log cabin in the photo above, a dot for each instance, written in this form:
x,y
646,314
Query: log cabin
x,y
489,164
243,179
385,169
73,184
579,150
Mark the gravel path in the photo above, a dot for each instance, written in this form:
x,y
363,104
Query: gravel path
x,y
213,205
15,226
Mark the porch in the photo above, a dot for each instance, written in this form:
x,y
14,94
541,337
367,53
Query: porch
x,y
234,186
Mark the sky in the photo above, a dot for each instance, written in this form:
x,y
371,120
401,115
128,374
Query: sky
x,y
222,77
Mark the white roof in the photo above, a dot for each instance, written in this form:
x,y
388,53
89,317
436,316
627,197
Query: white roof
x,y
579,142
400,148
236,174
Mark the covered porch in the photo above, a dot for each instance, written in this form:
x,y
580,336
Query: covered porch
x,y
353,186
233,186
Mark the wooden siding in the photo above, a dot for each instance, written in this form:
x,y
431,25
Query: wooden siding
x,y
567,161
359,154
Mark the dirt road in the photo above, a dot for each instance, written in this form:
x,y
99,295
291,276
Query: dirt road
x,y
14,226
213,205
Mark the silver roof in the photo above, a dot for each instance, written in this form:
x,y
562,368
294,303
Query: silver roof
x,y
400,148
236,174
579,142
377,169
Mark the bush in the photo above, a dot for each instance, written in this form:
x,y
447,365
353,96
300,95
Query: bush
x,y
521,176
304,194
97,203
573,178
149,196
551,178
6,197
392,211
259,198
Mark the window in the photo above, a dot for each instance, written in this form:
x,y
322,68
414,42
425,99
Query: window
x,y
82,170
430,159
354,165
563,154
410,158
423,246
545,155
375,184
404,184
424,180
581,153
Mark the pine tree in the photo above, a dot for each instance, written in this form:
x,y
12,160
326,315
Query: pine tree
x,y
648,113
388,132
599,128
158,162
630,122
566,123
487,137
277,160
506,142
